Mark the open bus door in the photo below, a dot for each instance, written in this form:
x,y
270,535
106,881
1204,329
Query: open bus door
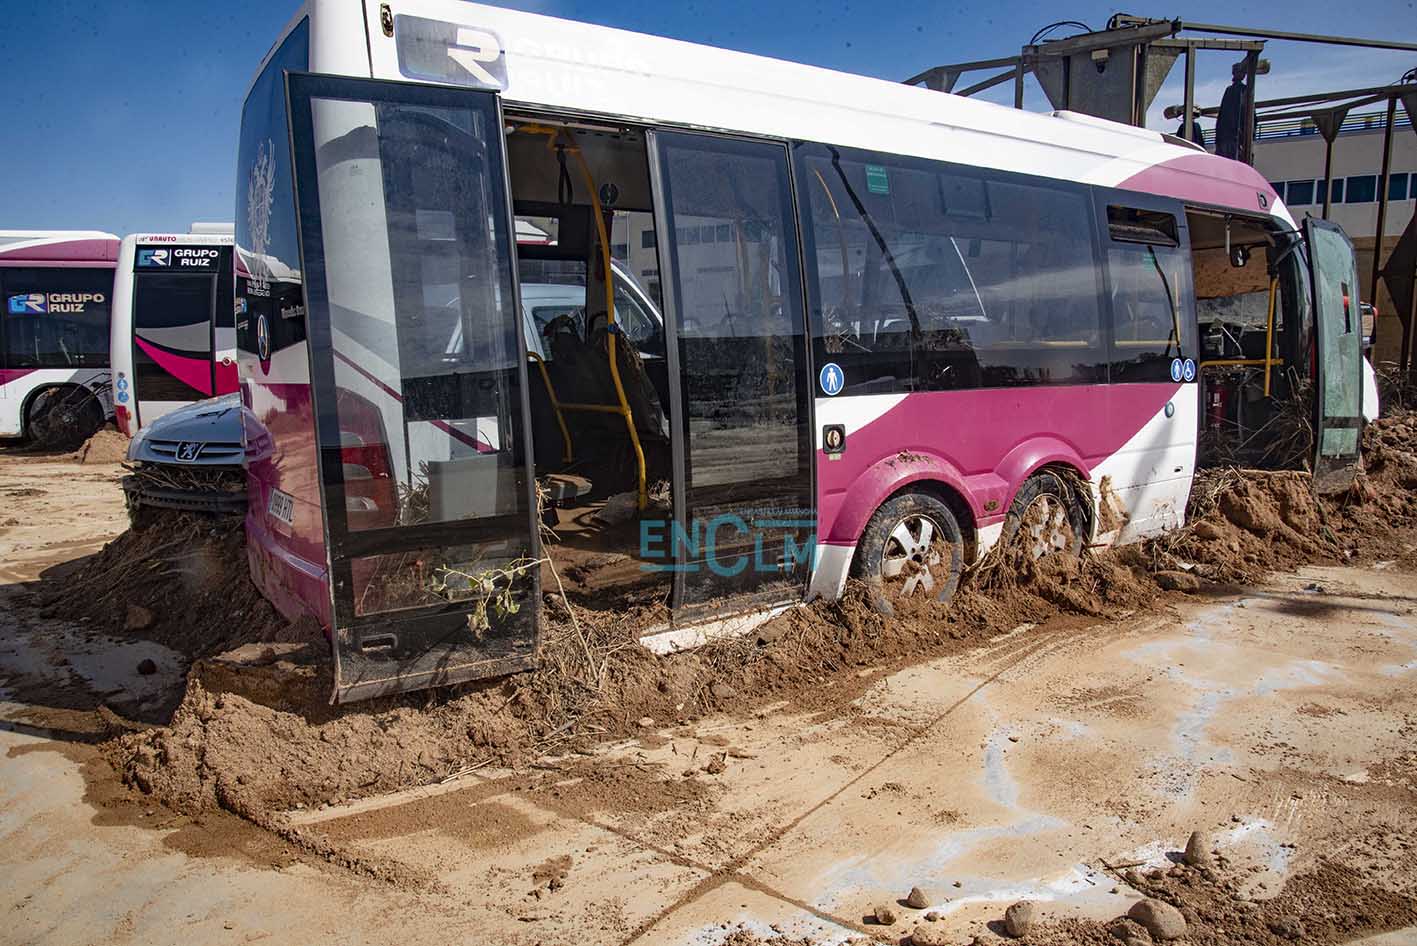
x,y
1338,361
418,382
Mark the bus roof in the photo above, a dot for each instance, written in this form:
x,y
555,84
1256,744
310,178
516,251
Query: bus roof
x,y
199,239
57,248
545,63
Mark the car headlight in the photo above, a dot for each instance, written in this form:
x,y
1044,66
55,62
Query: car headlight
x,y
136,444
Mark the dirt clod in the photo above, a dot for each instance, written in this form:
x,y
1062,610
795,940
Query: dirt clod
x,y
1197,853
884,914
1019,918
1161,919
930,935
1177,581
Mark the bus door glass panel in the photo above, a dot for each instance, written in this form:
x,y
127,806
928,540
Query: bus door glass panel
x,y
747,514
419,381
1338,380
57,318
172,337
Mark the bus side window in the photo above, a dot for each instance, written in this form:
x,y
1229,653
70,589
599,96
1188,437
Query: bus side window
x,y
1149,295
933,277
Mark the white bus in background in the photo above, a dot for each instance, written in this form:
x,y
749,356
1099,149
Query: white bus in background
x,y
174,331
57,287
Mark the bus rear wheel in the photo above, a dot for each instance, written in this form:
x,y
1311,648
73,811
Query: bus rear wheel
x,y
63,418
911,550
1046,518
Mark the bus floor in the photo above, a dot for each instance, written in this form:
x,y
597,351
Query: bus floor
x,y
603,564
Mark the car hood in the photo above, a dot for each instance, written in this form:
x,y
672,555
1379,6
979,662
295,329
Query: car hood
x,y
214,423
217,418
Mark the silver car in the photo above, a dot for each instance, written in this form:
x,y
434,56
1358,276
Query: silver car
x,y
188,460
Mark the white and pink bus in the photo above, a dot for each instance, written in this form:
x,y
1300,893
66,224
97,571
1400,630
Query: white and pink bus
x,y
54,364
890,328
174,332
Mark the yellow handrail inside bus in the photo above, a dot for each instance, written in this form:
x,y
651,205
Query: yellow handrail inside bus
x,y
568,454
1269,333
1268,362
1242,362
554,137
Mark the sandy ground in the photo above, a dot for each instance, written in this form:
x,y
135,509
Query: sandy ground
x,y
1280,719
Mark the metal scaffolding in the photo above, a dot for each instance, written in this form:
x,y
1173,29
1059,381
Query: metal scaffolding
x,y
1116,73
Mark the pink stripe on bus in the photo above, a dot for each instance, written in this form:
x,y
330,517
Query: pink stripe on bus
x,y
1207,179
194,372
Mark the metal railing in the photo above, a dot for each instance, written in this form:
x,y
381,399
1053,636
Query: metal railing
x,y
1302,127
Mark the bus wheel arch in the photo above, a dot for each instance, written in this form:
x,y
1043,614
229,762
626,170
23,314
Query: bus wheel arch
x,y
61,415
1051,511
915,545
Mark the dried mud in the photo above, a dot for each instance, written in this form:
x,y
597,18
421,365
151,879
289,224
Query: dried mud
x,y
272,744
182,582
105,446
1330,903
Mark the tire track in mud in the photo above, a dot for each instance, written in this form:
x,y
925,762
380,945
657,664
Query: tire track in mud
x,y
1030,647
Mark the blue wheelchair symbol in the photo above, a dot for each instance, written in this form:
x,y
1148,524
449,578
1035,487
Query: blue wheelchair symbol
x,y
1188,370
1176,369
832,379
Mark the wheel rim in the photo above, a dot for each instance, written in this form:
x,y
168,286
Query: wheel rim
x,y
914,553
1046,527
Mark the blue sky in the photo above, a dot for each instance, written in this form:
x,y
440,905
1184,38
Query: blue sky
x,y
123,116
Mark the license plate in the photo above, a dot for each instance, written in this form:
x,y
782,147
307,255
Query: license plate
x,y
282,507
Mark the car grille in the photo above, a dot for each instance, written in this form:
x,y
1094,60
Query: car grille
x,y
213,451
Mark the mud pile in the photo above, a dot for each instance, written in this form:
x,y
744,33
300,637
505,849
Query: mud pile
x,y
1246,523
258,750
106,446
182,583
258,753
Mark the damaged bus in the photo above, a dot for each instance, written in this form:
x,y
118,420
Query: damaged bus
x,y
713,332
174,331
54,364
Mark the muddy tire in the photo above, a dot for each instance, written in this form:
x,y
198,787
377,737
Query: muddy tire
x,y
1046,518
912,548
63,418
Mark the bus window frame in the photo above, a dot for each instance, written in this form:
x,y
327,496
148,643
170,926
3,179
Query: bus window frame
x,y
1185,296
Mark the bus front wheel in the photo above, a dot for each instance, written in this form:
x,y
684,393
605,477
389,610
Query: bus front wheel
x,y
911,550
